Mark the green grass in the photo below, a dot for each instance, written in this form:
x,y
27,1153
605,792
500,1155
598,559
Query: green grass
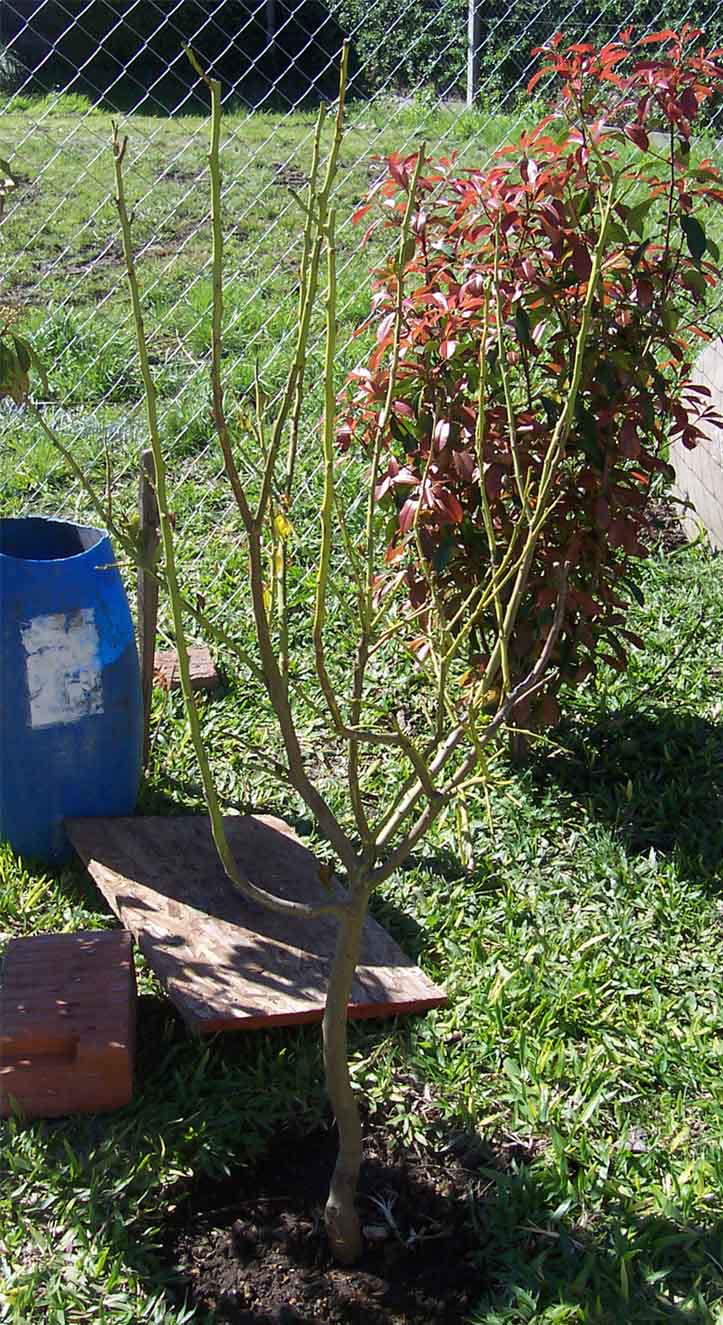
x,y
583,1041
62,263
583,955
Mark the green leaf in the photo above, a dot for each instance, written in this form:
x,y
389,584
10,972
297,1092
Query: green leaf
x,y
713,248
586,435
694,235
442,555
638,253
39,366
593,452
522,326
636,593
636,216
693,279
7,367
552,410
608,377
23,352
617,234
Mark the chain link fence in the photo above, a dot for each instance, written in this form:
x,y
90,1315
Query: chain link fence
x,y
446,73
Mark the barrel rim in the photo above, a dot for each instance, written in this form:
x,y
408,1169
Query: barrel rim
x,y
101,535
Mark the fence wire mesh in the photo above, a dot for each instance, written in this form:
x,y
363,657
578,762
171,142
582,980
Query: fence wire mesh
x,y
67,69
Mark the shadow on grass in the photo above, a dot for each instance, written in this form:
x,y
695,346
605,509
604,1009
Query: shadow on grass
x,y
633,1270
655,777
131,62
477,1232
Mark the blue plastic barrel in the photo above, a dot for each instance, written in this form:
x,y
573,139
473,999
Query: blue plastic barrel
x,y
71,713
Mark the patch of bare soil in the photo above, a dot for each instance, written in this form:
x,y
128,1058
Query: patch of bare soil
x,y
289,175
253,1249
667,531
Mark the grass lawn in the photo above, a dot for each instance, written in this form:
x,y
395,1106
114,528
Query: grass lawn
x,y
62,259
583,1044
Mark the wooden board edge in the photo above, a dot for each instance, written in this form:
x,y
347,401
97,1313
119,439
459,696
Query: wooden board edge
x,y
356,1012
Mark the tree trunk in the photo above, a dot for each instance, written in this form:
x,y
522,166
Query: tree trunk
x,y
342,1221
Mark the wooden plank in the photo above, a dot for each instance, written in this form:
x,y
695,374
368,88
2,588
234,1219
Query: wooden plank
x,y
67,1024
226,963
147,591
203,671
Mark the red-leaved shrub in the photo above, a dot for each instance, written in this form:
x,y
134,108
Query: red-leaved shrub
x,y
494,284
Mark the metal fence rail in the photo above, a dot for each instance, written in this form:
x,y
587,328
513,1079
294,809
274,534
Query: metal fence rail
x,y
275,61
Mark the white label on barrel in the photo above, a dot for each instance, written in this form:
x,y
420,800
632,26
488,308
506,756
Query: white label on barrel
x,y
65,681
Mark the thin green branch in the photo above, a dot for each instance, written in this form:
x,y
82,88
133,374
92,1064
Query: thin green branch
x,y
511,418
237,878
385,411
217,393
314,235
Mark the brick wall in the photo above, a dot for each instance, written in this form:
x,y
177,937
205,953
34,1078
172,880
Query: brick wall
x,y
699,473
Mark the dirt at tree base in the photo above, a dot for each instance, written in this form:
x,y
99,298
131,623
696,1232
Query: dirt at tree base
x,y
252,1248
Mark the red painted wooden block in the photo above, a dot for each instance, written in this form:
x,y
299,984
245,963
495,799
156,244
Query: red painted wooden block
x,y
167,674
67,1024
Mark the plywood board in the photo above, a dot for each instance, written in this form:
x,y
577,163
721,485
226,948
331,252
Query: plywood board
x,y
229,964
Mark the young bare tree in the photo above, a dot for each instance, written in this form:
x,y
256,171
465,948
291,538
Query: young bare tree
x,y
436,752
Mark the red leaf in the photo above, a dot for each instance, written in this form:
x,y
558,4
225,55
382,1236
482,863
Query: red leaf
x,y
637,135
474,286
602,513
529,170
360,212
384,328
536,77
666,34
447,503
616,531
465,464
406,515
581,261
688,103
398,173
447,349
494,478
629,441
586,604
442,433
644,292
374,225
